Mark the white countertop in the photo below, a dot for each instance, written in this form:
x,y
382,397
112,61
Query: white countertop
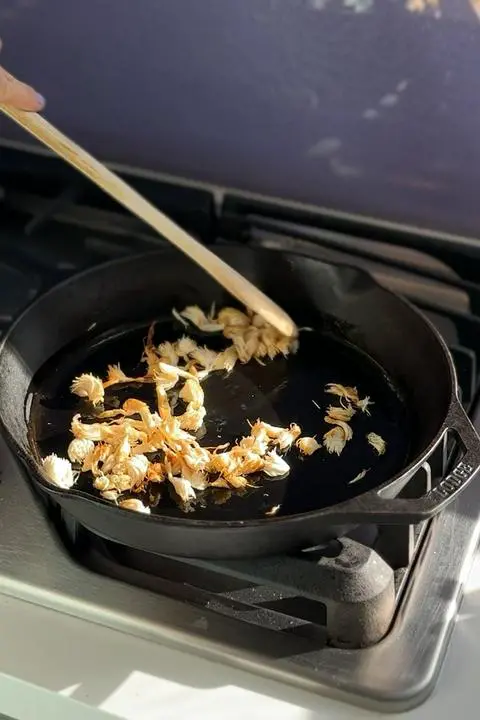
x,y
140,680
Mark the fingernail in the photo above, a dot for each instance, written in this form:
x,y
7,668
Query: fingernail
x,y
41,101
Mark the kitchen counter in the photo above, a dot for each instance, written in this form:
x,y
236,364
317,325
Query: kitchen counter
x,y
140,680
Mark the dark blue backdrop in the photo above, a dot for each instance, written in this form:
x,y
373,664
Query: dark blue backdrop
x,y
360,105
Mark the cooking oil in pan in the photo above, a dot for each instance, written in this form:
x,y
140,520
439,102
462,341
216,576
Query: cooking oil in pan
x,y
283,391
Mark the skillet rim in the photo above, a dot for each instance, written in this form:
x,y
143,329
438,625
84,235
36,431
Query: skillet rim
x,y
75,495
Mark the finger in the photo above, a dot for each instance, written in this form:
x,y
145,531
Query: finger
x,y
18,95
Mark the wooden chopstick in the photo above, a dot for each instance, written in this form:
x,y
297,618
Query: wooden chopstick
x,y
230,279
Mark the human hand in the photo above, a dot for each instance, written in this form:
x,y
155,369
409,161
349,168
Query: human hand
x,y
18,95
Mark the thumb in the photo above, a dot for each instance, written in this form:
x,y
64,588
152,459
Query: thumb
x,y
18,95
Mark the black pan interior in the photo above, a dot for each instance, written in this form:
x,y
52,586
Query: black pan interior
x,y
281,392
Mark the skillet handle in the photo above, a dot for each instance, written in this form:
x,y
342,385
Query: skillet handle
x,y
414,510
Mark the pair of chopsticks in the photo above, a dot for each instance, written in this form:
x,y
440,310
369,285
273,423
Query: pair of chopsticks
x,y
230,279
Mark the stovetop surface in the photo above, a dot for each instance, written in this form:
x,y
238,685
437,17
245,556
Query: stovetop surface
x,y
52,226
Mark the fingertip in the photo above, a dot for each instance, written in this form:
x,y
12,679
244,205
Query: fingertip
x,y
41,102
24,97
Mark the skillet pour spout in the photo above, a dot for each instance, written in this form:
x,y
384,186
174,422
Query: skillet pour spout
x,y
363,334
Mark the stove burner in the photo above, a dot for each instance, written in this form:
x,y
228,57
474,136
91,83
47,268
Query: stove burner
x,y
350,588
346,589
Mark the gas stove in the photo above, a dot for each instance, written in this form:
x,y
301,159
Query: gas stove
x,y
366,618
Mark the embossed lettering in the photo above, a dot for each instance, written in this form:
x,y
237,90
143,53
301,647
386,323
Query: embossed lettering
x,y
459,475
463,470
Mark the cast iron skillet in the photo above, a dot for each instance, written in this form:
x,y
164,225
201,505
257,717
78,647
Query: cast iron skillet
x,y
364,336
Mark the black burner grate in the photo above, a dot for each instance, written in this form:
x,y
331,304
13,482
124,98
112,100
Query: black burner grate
x,y
344,594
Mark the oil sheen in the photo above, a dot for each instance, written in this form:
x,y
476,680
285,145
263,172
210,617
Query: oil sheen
x,y
280,392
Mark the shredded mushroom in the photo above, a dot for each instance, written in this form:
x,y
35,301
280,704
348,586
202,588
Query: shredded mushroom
x,y
136,452
347,393
133,448
251,336
307,445
134,504
377,442
335,440
90,387
79,449
364,404
273,511
358,477
59,471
